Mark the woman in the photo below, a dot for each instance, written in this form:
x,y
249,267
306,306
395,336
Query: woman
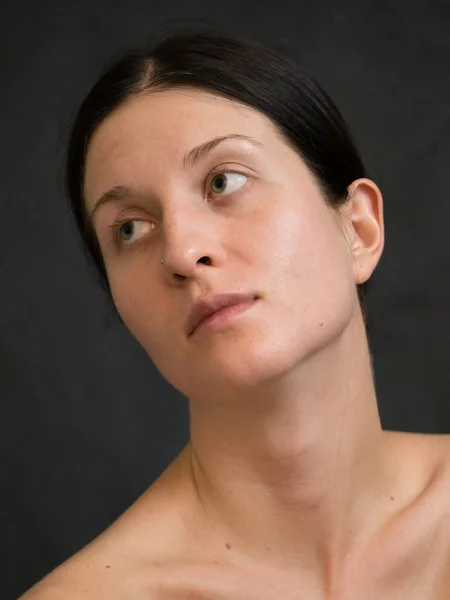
x,y
218,189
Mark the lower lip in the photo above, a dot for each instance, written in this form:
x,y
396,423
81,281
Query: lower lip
x,y
224,316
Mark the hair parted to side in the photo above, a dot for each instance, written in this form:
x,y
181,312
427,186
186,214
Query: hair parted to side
x,y
211,59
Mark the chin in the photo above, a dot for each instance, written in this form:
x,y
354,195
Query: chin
x,y
251,365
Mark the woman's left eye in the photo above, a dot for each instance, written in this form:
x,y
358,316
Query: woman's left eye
x,y
228,181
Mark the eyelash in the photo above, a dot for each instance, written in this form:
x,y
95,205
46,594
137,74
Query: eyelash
x,y
121,221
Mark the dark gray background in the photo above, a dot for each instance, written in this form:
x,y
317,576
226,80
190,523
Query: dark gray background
x,y
87,423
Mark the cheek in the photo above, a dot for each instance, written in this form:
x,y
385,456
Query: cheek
x,y
310,273
140,310
135,303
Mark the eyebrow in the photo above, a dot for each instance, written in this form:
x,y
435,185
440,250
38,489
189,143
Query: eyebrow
x,y
120,192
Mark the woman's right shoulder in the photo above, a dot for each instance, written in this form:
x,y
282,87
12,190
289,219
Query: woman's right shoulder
x,y
113,566
78,577
98,574
48,591
132,549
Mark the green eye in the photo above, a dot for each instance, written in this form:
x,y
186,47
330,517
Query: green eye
x,y
130,228
227,181
219,182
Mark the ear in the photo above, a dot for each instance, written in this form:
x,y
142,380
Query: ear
x,y
364,226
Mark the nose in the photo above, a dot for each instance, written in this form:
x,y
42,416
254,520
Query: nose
x,y
189,269
191,243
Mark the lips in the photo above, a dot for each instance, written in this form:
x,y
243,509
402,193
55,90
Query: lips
x,y
202,309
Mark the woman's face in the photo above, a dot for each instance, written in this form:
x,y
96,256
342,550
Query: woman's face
x,y
263,226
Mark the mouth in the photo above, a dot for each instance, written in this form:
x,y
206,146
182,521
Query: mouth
x,y
222,317
218,310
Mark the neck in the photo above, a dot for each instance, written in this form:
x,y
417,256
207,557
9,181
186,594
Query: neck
x,y
292,472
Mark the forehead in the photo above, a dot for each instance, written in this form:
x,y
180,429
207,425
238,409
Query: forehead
x,y
165,125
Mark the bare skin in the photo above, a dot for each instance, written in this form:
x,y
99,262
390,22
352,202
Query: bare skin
x,y
289,488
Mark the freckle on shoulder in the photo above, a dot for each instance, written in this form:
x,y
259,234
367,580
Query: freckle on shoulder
x,y
55,587
77,578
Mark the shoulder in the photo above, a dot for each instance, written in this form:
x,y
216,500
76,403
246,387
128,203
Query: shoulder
x,y
85,575
429,455
127,560
435,452
432,451
120,563
425,462
101,571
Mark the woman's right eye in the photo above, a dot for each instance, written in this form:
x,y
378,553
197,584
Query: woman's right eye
x,y
127,227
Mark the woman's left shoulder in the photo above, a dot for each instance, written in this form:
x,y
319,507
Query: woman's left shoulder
x,y
434,448
427,456
432,452
438,447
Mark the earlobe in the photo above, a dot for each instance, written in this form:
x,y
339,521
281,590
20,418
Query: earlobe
x,y
367,224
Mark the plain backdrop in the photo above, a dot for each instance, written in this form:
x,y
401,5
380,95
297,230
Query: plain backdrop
x,y
87,424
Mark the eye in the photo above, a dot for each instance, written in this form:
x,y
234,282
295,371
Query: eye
x,y
229,181
129,227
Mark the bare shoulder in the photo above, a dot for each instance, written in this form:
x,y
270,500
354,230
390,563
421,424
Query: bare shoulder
x,y
125,560
88,574
429,456
425,460
428,449
439,448
416,548
121,563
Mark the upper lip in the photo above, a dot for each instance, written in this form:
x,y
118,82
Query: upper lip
x,y
211,304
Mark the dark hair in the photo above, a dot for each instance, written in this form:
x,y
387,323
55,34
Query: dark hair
x,y
231,67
